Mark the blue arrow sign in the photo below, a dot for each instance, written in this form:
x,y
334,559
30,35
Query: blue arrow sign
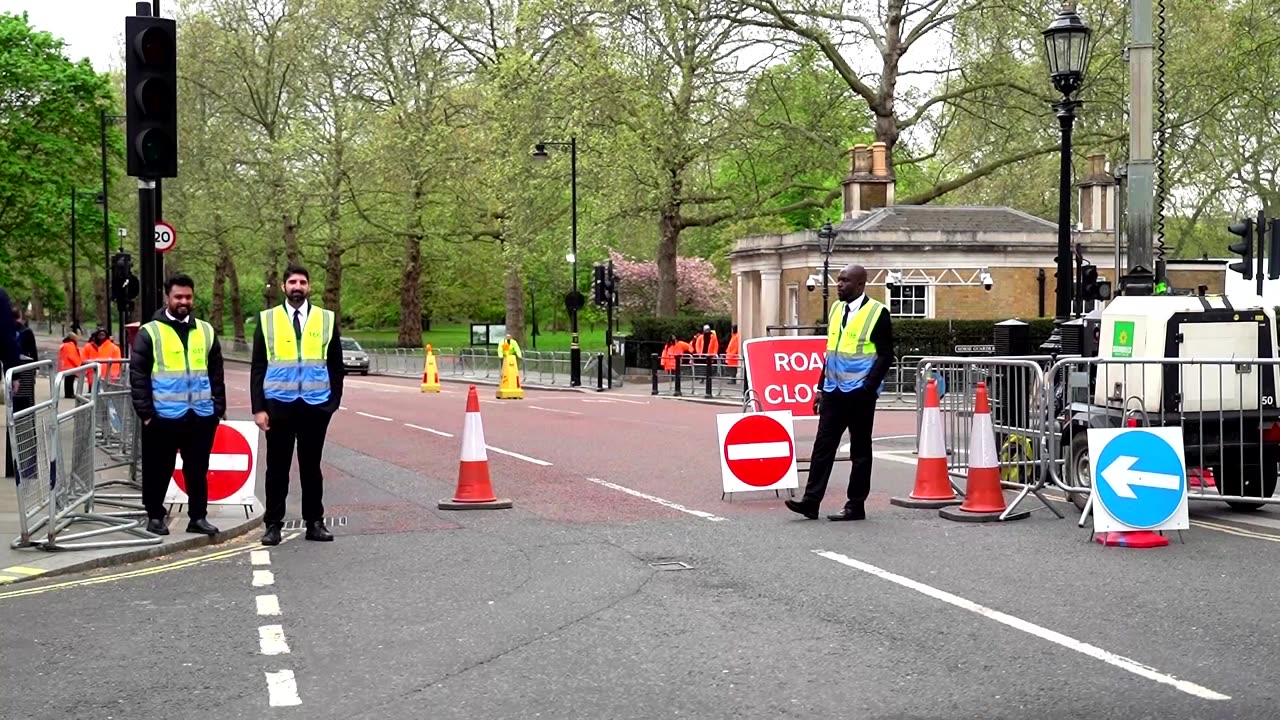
x,y
1140,479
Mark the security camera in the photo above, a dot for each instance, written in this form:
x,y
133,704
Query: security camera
x,y
986,280
811,283
894,277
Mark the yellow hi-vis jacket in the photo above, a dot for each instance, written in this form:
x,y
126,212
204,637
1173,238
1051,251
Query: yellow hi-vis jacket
x,y
297,370
180,376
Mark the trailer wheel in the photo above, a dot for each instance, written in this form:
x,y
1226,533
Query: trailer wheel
x,y
1248,479
1079,468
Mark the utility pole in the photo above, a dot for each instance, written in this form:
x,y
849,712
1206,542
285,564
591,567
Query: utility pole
x,y
1141,168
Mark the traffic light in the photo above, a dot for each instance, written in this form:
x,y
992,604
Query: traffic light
x,y
1093,288
124,284
1243,248
604,291
151,96
1273,250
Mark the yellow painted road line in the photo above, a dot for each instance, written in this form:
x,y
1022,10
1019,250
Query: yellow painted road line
x,y
141,572
22,570
1232,530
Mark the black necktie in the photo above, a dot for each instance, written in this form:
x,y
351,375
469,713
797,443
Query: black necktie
x,y
297,324
845,320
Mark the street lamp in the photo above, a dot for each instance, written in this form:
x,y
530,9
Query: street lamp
x,y
828,237
574,300
1066,42
101,200
105,118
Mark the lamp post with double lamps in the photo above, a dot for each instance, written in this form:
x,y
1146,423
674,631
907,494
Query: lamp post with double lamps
x,y
828,237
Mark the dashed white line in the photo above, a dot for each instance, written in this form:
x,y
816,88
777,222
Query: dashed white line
x,y
658,500
260,557
268,605
553,410
375,417
282,689
518,456
263,578
1056,638
271,640
441,433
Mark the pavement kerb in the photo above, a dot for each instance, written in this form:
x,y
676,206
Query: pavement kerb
x,y
139,554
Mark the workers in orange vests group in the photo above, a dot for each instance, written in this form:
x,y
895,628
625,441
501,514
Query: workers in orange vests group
x,y
101,347
672,351
732,357
704,343
69,359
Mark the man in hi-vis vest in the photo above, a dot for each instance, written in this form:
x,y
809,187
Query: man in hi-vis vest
x,y
175,374
859,355
295,386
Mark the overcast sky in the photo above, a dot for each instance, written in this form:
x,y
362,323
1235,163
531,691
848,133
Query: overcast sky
x,y
91,28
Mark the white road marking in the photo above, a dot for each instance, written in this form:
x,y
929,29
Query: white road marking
x,y
441,433
759,451
263,578
1057,638
371,383
843,449
660,501
892,437
890,456
342,407
271,640
375,417
268,605
566,412
260,557
518,456
282,689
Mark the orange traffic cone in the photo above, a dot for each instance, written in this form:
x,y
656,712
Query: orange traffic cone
x,y
933,481
474,492
430,373
509,388
983,495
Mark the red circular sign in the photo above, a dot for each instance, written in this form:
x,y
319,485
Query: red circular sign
x,y
230,463
758,450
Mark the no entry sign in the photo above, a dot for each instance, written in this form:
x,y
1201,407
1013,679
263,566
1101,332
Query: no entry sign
x,y
757,451
233,466
783,372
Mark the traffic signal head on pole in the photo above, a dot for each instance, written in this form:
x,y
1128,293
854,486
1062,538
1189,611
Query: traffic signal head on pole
x,y
151,96
1273,250
1092,287
1243,247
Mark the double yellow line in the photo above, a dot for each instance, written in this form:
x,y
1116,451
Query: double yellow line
x,y
1233,530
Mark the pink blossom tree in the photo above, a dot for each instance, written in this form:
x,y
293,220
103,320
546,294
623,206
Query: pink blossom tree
x,y
699,289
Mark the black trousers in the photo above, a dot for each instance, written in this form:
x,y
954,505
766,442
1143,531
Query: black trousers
x,y
304,426
854,412
162,440
68,387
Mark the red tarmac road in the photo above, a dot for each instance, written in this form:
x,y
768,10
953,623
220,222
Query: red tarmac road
x,y
544,448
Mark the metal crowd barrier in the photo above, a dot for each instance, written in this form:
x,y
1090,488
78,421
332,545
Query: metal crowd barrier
x,y
707,376
547,368
54,455
119,440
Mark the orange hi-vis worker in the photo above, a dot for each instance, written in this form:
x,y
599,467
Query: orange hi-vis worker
x,y
69,359
672,352
732,350
700,344
101,347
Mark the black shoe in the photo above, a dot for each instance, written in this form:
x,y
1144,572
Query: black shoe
x,y
272,535
797,506
156,526
318,532
849,514
201,527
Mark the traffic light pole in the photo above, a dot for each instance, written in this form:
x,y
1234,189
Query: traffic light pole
x,y
149,295
1261,229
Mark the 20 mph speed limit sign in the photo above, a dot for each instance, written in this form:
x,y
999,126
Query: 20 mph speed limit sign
x,y
166,236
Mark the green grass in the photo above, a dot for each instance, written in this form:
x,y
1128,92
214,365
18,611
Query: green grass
x,y
459,336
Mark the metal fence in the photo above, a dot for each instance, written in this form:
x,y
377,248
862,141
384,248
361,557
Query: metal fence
x,y
54,457
118,441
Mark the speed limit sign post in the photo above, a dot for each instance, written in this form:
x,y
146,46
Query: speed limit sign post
x,y
166,236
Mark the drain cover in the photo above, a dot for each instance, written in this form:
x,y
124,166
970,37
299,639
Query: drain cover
x,y
330,522
670,565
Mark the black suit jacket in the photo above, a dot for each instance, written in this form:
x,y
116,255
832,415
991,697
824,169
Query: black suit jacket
x,y
258,373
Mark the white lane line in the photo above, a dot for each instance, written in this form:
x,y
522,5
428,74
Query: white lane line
x,y
660,501
260,557
375,417
282,689
759,451
553,410
271,640
263,578
518,456
342,407
441,433
1057,638
268,604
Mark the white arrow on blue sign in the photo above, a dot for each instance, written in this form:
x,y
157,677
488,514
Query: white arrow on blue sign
x,y
1139,479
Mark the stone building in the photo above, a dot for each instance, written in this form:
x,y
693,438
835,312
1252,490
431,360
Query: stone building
x,y
933,261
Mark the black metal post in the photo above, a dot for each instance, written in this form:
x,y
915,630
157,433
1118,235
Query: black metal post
x,y
826,273
1040,280
599,373
75,286
575,348
1261,228
653,372
711,363
608,329
1062,304
1077,300
149,293
106,220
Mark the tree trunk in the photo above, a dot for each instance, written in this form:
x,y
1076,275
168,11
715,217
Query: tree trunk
x,y
515,304
237,310
410,295
216,315
333,261
102,301
271,289
292,251
668,246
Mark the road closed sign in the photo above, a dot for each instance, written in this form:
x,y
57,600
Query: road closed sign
x,y
757,451
233,466
784,371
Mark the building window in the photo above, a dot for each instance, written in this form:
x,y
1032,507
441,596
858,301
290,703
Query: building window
x,y
911,301
793,307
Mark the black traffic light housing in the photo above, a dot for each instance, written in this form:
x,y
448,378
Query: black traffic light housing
x,y
1243,248
1093,288
604,288
124,284
1273,250
151,96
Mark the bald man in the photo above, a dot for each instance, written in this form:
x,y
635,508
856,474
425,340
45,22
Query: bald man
x,y
859,355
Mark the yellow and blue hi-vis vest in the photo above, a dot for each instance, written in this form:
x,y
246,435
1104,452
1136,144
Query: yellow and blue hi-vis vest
x,y
297,370
180,376
850,352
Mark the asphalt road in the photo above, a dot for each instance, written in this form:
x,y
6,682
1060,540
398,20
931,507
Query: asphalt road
x,y
560,608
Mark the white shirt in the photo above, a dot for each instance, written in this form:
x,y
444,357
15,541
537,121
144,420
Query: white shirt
x,y
171,317
303,311
853,306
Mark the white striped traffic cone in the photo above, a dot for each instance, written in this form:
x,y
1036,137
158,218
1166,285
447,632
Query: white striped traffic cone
x,y
983,494
933,481
474,492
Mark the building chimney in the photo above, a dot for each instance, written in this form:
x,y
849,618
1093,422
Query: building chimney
x,y
1097,196
870,182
